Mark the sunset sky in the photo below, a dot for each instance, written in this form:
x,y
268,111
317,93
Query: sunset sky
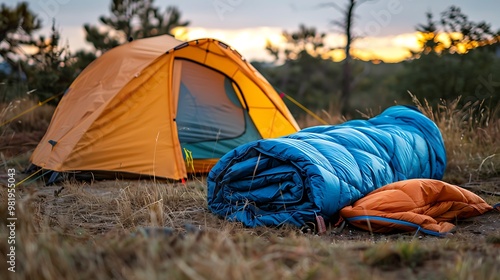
x,y
387,27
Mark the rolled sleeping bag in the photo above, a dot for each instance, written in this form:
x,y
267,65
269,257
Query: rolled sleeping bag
x,y
320,170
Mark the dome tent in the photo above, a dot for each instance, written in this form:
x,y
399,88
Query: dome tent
x,y
144,106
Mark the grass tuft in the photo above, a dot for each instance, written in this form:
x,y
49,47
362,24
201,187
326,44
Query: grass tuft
x,y
472,138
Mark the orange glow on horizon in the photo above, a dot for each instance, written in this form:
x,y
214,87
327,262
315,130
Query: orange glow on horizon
x,y
251,43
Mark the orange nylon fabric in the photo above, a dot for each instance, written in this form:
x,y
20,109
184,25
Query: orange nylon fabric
x,y
118,114
432,204
89,94
129,136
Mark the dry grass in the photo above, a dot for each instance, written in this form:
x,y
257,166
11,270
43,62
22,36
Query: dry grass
x,y
24,115
22,124
472,138
157,230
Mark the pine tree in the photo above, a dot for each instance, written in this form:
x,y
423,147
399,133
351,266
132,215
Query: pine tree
x,y
428,36
49,68
132,19
456,60
16,27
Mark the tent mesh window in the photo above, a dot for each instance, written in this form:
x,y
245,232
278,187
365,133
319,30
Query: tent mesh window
x,y
208,108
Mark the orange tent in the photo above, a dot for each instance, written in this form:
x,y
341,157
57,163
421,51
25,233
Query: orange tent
x,y
417,204
161,107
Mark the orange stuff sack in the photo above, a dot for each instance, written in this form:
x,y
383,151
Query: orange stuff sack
x,y
426,205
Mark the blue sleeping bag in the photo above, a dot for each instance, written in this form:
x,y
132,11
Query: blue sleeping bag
x,y
321,169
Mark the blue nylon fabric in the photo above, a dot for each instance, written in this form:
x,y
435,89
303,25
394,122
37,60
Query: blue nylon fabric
x,y
400,222
322,169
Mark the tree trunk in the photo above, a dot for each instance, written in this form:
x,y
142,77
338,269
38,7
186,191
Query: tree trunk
x,y
346,69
